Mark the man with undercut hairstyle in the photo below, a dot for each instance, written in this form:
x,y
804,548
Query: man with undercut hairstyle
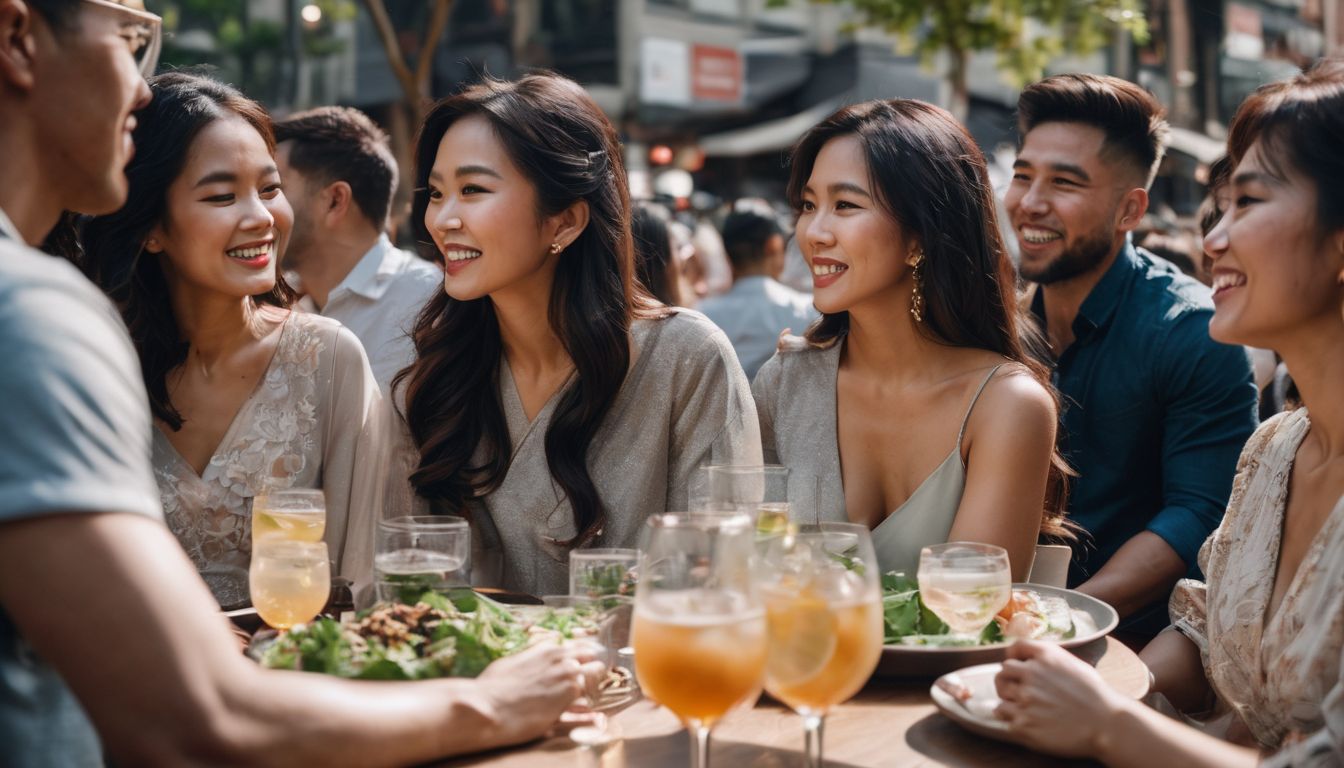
x,y
1155,412
339,175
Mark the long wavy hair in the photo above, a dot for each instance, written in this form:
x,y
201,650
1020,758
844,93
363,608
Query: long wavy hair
x,y
114,245
928,175
563,144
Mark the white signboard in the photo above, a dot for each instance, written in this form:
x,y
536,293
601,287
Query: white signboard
x,y
664,72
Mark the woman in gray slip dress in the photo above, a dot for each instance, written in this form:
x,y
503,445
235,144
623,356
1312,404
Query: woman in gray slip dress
x,y
913,399
553,402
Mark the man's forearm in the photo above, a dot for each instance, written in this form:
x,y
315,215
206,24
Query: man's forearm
x,y
1141,572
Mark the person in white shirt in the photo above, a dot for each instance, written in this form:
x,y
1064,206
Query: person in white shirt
x,y
758,307
339,176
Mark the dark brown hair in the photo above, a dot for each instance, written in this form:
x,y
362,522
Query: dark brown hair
x,y
342,144
1299,121
1133,121
654,265
560,140
114,245
927,174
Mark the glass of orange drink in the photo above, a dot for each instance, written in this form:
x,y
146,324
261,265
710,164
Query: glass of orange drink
x,y
698,632
289,581
823,608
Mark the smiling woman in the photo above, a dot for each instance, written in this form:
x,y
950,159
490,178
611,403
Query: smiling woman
x,y
245,395
552,401
919,333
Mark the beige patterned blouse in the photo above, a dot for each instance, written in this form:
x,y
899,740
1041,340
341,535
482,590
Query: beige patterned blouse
x,y
1282,673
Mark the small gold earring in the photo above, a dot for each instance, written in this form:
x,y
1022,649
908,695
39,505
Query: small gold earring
x,y
556,248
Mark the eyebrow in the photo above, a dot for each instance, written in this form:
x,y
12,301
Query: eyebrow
x,y
1069,168
842,186
1251,177
470,170
216,177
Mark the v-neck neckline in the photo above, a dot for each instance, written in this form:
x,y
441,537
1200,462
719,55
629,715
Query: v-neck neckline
x,y
227,439
521,427
1270,616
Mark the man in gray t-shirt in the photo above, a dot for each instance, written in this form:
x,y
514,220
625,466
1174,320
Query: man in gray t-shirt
x,y
91,581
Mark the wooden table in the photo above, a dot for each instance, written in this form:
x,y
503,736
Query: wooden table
x,y
890,723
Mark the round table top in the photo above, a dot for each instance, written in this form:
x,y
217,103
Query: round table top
x,y
890,723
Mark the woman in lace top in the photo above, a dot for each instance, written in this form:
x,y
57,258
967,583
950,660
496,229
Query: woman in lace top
x,y
1256,650
553,402
919,322
245,394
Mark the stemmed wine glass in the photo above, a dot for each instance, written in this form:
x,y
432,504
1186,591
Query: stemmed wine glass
x,y
965,584
823,606
699,631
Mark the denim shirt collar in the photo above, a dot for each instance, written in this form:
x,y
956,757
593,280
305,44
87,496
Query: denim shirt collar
x,y
1100,305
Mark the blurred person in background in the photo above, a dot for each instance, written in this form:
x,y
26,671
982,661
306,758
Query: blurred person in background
x,y
1255,650
758,307
655,266
1155,410
112,650
339,176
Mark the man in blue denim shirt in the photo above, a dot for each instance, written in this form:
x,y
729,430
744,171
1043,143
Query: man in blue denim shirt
x,y
1155,413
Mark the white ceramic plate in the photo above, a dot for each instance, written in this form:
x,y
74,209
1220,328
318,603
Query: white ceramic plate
x,y
976,714
931,661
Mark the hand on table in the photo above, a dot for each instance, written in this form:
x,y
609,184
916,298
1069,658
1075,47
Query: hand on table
x,y
527,692
1053,701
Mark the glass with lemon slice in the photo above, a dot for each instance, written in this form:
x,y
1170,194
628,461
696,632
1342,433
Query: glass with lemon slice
x,y
760,492
293,514
823,609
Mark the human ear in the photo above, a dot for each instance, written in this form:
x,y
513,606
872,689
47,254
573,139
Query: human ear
x,y
1132,208
18,48
338,197
154,242
568,224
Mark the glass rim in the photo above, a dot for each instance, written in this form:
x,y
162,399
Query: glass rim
x,y
424,523
605,551
294,493
974,547
744,469
275,544
700,520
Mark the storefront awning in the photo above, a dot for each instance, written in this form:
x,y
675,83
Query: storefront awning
x,y
768,136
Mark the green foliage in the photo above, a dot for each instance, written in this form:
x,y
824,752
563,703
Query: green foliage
x,y
1026,34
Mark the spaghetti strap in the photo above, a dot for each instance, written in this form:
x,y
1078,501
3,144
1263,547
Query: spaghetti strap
x,y
967,419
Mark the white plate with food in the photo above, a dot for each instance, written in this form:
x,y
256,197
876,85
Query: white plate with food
x,y
913,646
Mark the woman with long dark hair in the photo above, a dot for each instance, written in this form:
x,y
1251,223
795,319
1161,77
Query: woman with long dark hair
x,y
655,266
552,401
247,396
911,398
1254,652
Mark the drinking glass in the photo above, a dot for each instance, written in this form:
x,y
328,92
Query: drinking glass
x,y
603,573
297,514
289,580
965,584
414,555
761,492
699,631
823,607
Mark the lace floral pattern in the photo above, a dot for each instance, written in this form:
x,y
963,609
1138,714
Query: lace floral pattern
x,y
272,441
1280,674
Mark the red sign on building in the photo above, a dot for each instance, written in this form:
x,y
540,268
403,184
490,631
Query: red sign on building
x,y
716,74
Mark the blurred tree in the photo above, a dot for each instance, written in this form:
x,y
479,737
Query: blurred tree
x,y
1026,34
415,76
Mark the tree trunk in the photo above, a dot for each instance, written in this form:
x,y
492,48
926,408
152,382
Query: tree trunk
x,y
959,62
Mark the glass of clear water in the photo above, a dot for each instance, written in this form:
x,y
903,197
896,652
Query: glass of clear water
x,y
414,555
760,492
965,584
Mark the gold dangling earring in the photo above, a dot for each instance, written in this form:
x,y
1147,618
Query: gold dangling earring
x,y
916,261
